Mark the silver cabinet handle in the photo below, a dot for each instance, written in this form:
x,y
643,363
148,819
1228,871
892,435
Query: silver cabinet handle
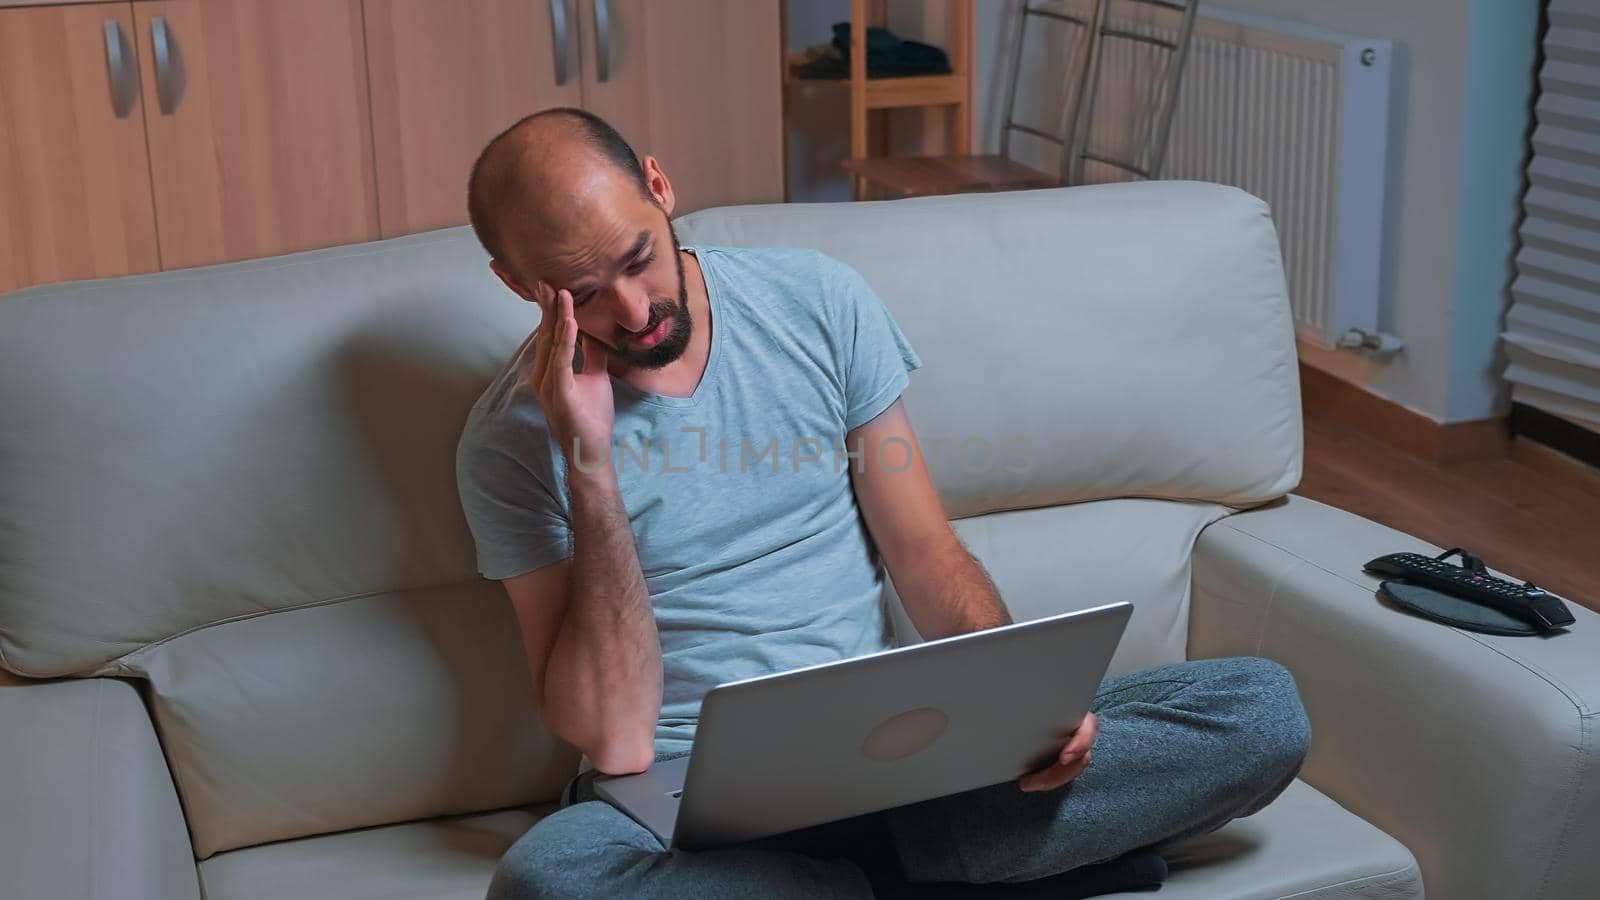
x,y
558,37
169,66
123,86
602,40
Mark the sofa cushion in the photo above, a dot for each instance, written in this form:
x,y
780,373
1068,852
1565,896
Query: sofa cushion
x,y
441,859
387,708
1303,845
1080,555
1129,340
188,447
87,807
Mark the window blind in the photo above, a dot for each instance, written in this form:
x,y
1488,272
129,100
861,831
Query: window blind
x,y
1552,331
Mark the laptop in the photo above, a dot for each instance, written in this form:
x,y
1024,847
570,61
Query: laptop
x,y
829,742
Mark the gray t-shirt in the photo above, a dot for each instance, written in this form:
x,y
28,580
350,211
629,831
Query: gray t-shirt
x,y
753,550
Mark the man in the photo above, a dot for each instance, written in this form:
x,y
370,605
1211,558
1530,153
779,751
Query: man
x,y
713,493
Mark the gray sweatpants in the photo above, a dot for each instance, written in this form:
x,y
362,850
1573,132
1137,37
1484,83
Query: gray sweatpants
x,y
1182,750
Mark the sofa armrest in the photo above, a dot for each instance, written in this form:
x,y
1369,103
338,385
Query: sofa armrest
x,y
1475,751
87,806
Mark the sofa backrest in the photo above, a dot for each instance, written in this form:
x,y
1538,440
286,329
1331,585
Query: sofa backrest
x,y
237,482
1133,340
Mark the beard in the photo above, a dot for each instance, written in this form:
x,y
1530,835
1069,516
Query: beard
x,y
679,324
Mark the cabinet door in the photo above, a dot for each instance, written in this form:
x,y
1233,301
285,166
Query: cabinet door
x,y
446,77
260,141
696,84
74,177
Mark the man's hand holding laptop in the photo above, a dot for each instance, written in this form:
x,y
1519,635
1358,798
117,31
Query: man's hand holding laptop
x,y
1074,758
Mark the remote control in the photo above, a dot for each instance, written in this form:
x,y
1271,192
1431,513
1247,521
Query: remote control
x,y
1525,601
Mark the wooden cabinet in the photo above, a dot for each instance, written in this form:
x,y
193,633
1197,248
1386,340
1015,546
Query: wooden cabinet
x,y
696,85
447,77
260,141
173,133
74,177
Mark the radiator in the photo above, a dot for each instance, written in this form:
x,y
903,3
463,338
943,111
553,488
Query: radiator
x,y
1295,115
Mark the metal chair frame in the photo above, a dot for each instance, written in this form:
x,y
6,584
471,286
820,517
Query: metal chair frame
x,y
1155,147
1081,80
1076,74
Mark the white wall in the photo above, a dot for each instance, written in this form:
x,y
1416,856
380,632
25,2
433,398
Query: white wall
x,y
817,119
1464,76
1424,175
1457,123
1501,57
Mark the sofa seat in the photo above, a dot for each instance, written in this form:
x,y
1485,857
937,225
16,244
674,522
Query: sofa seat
x,y
438,859
1304,845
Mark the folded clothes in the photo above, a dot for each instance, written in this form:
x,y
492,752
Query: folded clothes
x,y
887,56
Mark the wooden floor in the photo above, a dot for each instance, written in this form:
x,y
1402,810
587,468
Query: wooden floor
x,y
1534,515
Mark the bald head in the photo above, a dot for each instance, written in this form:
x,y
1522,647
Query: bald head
x,y
548,169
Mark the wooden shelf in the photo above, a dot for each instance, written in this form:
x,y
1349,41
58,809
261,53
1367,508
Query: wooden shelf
x,y
916,90
916,176
897,92
872,97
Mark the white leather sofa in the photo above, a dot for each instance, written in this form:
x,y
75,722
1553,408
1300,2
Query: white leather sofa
x,y
250,656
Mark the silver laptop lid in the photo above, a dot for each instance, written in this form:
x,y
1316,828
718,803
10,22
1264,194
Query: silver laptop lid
x,y
828,742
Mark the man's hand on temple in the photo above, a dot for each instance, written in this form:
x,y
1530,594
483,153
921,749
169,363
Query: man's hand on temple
x,y
579,407
1070,763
